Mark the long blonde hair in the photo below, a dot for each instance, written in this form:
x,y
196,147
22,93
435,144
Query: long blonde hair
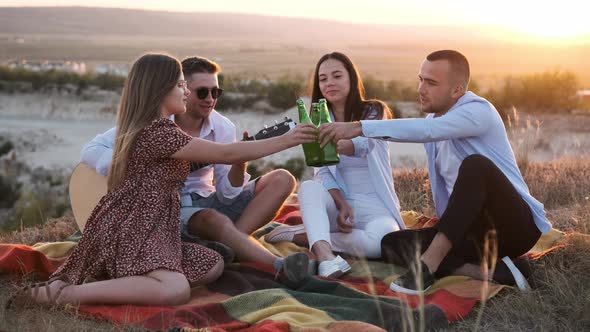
x,y
150,79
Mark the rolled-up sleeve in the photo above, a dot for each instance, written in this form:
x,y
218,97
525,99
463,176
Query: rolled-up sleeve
x,y
225,192
325,177
361,146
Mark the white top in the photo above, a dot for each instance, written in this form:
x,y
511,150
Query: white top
x,y
355,172
447,163
98,154
376,152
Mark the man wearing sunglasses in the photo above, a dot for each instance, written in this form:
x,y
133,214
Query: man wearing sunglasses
x,y
221,207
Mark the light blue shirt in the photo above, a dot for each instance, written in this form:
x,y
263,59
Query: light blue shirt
x,y
472,126
447,163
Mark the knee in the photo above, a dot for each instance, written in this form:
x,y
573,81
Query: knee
x,y
211,217
376,237
475,162
283,179
208,223
308,186
175,291
373,249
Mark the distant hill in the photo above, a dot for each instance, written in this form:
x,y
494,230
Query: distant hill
x,y
269,46
130,22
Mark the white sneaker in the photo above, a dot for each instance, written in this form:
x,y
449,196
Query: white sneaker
x,y
284,233
333,268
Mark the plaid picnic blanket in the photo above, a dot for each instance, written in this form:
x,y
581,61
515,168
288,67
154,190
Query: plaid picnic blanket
x,y
252,297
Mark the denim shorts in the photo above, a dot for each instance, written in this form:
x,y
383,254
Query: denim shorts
x,y
233,211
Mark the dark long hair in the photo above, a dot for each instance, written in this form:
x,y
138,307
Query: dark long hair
x,y
356,105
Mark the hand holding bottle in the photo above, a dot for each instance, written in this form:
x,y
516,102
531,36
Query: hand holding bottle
x,y
335,131
302,133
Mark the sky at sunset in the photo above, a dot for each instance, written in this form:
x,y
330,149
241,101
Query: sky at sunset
x,y
541,19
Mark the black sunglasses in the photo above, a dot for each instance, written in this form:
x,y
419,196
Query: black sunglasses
x,y
202,93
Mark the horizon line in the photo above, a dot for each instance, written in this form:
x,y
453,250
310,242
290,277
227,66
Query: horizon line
x,y
264,15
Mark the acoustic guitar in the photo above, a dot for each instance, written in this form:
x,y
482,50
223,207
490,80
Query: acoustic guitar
x,y
87,186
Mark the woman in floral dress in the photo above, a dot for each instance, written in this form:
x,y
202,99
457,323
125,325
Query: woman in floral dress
x,y
131,246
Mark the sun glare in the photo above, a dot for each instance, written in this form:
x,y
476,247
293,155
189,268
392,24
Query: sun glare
x,y
554,28
547,21
562,21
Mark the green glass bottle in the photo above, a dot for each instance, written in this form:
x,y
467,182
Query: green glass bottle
x,y
315,114
330,154
312,151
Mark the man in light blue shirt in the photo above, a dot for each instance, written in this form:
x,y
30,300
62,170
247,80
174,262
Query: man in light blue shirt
x,y
480,197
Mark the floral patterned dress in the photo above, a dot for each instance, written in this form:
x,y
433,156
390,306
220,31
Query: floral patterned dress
x,y
135,228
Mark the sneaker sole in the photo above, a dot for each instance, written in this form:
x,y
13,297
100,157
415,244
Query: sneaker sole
x,y
345,269
295,267
277,232
336,274
338,269
399,289
519,278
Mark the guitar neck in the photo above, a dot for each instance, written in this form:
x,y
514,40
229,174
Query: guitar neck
x,y
268,132
277,129
194,166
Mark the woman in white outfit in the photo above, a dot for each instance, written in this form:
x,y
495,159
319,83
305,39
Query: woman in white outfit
x,y
351,206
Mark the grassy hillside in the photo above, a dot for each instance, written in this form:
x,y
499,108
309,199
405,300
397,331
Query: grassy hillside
x,y
558,302
268,46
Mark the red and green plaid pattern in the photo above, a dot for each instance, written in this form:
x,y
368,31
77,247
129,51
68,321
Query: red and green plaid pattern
x,y
252,297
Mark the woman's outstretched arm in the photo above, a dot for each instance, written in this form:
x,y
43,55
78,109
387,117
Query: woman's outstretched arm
x,y
201,150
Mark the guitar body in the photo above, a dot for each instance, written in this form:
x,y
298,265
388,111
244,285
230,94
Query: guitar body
x,y
87,187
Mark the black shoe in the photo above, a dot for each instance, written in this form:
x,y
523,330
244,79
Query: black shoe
x,y
312,267
513,272
296,267
402,247
413,283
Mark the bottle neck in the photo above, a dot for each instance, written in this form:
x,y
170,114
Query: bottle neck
x,y
303,116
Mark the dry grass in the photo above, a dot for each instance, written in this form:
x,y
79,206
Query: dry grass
x,y
52,320
42,319
560,300
560,183
53,230
413,190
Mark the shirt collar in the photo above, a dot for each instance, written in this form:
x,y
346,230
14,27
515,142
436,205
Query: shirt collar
x,y
208,126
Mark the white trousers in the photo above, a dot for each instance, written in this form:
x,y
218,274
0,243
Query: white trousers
x,y
372,221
